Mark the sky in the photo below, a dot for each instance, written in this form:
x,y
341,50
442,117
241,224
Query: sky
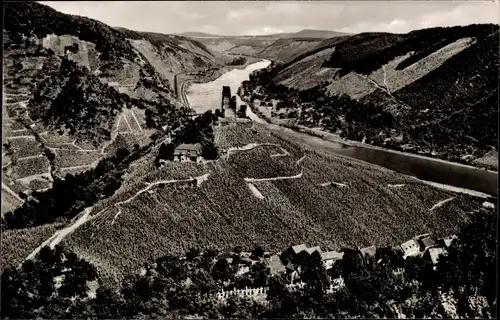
x,y
267,17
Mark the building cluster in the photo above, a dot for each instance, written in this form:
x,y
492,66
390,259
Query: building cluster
x,y
425,245
420,246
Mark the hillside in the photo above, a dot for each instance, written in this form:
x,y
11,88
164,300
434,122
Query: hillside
x,y
427,82
76,90
285,50
268,194
265,46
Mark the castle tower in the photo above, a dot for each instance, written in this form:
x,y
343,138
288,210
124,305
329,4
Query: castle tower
x,y
226,98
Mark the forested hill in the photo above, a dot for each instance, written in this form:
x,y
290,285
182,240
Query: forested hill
x,y
439,87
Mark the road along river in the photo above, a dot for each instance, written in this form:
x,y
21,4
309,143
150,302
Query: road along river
x,y
206,96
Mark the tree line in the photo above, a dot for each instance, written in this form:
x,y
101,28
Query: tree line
x,y
173,286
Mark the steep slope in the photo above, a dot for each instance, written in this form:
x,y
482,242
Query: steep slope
x,y
76,88
170,54
252,45
215,204
285,50
426,83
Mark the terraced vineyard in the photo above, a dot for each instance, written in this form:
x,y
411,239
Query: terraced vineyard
x,y
321,198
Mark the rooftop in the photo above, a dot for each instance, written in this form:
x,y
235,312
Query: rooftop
x,y
313,249
410,243
299,248
189,147
369,251
274,264
332,255
427,242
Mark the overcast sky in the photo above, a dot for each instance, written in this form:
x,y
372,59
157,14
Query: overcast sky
x,y
262,17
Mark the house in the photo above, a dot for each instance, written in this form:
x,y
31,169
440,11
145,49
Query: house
x,y
188,152
426,243
313,249
368,252
448,240
289,254
274,264
329,258
410,248
434,254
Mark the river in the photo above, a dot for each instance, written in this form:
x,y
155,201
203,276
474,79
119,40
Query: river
x,y
204,96
208,96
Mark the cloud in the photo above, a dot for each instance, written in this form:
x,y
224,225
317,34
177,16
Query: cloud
x,y
262,17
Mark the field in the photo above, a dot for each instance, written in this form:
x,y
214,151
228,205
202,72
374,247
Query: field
x,y
358,208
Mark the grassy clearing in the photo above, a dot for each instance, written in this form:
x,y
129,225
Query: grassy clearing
x,y
223,211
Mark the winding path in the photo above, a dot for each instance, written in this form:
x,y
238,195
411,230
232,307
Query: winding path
x,y
59,235
198,179
441,203
297,176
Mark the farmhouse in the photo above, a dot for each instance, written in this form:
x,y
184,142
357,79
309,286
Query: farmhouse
x,y
274,265
410,248
368,251
188,152
426,243
330,258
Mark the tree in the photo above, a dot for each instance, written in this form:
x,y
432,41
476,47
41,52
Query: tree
x,y
259,274
218,113
314,274
192,253
222,271
257,253
469,267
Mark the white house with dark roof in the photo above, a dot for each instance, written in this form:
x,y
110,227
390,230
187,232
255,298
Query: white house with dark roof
x,y
188,152
330,258
410,248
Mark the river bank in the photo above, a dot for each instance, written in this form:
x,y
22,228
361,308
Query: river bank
x,y
428,169
186,79
470,180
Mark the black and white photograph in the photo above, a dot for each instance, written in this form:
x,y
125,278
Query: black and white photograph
x,y
249,159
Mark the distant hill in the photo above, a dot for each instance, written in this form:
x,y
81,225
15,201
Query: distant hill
x,y
439,85
253,44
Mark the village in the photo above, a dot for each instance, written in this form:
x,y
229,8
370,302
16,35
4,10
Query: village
x,y
284,264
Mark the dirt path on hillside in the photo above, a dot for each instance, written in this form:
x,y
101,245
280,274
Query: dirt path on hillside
x,y
198,179
252,146
11,192
136,121
275,178
441,203
59,235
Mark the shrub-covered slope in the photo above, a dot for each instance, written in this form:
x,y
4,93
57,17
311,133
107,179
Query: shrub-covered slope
x,y
438,87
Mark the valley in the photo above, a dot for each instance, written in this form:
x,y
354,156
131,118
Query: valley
x,y
151,174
